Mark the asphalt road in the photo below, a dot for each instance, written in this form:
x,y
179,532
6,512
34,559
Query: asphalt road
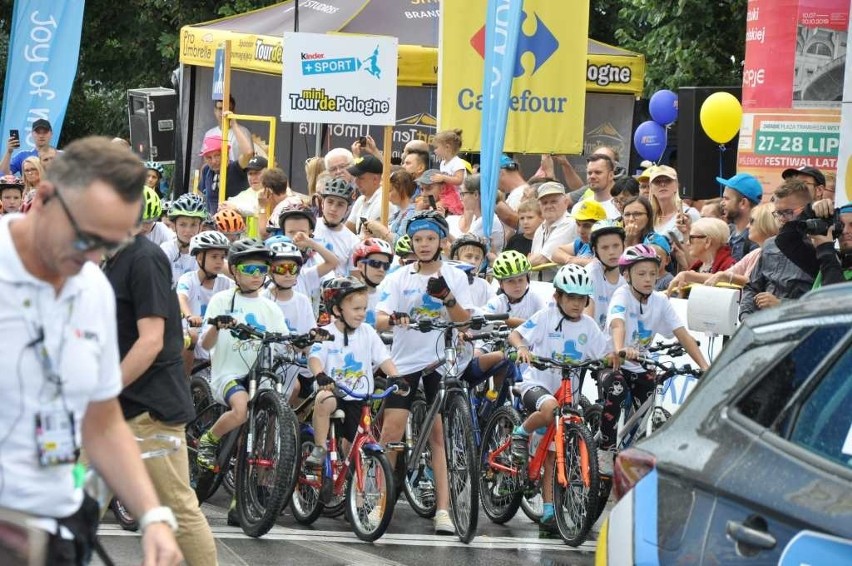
x,y
330,542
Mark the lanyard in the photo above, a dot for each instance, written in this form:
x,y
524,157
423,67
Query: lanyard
x,y
49,364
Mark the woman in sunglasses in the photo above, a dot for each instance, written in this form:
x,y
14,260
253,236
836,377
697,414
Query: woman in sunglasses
x,y
248,261
371,261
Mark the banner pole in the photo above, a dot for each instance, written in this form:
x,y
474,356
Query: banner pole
x,y
226,107
386,165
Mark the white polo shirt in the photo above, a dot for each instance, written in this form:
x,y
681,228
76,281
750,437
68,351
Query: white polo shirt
x,y
547,238
79,330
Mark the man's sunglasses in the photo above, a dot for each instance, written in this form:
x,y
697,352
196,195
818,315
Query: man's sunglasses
x,y
285,269
376,264
252,269
85,242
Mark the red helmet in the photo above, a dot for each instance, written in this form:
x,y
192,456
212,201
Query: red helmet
x,y
371,246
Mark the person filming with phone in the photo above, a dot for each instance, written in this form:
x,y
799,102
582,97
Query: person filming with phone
x,y
42,136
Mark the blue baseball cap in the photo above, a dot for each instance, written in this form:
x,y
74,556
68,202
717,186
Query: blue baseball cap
x,y
846,208
507,162
660,241
745,184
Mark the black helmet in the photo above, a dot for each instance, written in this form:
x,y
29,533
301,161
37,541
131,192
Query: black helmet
x,y
299,210
338,188
246,249
469,240
337,289
428,220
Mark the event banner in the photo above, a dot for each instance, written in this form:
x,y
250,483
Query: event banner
x,y
341,79
844,158
547,101
44,48
792,86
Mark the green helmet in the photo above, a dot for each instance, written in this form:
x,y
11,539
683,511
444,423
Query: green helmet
x,y
403,246
189,205
510,264
152,209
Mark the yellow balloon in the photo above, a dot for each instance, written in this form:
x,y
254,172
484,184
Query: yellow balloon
x,y
721,115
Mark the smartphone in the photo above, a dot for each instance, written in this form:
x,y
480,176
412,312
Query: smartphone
x,y
432,204
675,236
15,134
363,220
362,141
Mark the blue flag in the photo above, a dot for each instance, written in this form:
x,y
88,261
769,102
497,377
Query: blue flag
x,y
44,48
502,28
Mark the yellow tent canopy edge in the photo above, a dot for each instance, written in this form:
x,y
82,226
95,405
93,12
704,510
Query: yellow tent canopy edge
x,y
617,71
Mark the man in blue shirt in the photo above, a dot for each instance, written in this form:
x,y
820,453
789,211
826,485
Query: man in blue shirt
x,y
42,136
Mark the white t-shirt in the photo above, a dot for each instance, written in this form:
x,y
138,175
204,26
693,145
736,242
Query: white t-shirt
x,y
190,286
79,332
308,283
298,311
450,167
181,263
498,236
160,234
656,317
352,365
481,292
245,201
371,209
547,239
341,243
232,359
671,224
574,342
404,290
530,304
516,196
603,290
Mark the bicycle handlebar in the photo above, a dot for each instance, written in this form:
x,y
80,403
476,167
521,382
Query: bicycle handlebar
x,y
245,332
668,369
395,386
488,336
540,362
475,322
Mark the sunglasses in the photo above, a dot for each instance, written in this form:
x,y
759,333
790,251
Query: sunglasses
x,y
376,264
252,269
285,269
86,241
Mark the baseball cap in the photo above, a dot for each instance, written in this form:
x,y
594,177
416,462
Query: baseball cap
x,y
645,175
655,239
211,144
809,171
507,162
257,163
745,184
42,123
662,171
428,177
589,210
550,188
367,164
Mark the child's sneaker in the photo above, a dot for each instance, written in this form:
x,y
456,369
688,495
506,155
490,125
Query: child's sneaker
x,y
443,524
520,446
317,457
207,448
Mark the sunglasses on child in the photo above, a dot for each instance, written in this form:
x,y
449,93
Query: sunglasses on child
x,y
251,269
376,264
285,269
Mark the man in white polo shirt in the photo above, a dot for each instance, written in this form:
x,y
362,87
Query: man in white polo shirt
x,y
60,374
557,229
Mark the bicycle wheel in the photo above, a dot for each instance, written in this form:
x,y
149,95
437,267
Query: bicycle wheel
x,y
576,502
500,491
657,417
127,521
305,502
532,504
461,466
419,484
264,475
207,413
369,506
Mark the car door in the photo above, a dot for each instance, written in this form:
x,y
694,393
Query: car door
x,y
796,471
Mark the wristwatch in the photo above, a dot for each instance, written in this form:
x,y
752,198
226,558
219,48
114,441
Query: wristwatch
x,y
158,515
451,303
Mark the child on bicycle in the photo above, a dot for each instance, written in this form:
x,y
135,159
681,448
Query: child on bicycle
x,y
473,250
248,262
636,314
196,288
348,359
426,289
607,242
331,231
512,271
187,214
371,262
561,332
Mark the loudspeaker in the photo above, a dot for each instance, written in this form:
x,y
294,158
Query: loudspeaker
x,y
152,113
697,155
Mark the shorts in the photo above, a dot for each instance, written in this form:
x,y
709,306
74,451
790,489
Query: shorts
x,y
352,410
431,385
534,397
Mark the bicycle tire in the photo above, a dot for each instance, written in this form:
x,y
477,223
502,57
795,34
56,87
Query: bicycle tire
x,y
532,504
419,484
361,506
125,519
207,412
499,492
592,415
462,471
575,503
305,502
263,490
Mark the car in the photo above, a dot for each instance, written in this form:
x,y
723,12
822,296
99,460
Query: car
x,y
756,466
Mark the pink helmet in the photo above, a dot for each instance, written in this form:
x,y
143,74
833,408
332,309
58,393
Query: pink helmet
x,y
635,254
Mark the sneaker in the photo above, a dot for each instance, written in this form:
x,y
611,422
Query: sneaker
x,y
547,528
317,457
443,524
375,516
206,455
233,516
520,447
606,459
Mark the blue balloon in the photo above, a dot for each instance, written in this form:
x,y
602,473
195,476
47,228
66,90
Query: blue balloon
x,y
663,107
650,140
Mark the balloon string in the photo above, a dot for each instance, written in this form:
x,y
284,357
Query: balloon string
x,y
722,149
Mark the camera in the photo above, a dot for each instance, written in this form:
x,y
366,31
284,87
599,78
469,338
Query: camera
x,y
814,226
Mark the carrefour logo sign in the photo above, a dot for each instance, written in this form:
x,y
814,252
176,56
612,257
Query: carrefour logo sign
x,y
542,44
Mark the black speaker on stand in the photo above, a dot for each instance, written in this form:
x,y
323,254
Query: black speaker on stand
x,y
152,113
697,155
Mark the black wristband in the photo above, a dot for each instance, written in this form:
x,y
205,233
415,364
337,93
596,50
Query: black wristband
x,y
451,303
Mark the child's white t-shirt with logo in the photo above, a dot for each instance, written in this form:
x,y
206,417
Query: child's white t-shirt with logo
x,y
352,365
603,290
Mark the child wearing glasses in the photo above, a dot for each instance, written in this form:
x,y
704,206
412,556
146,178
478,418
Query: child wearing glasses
x,y
371,262
248,262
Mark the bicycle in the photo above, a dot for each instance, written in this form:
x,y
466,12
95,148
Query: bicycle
x,y
453,404
364,479
575,480
265,447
